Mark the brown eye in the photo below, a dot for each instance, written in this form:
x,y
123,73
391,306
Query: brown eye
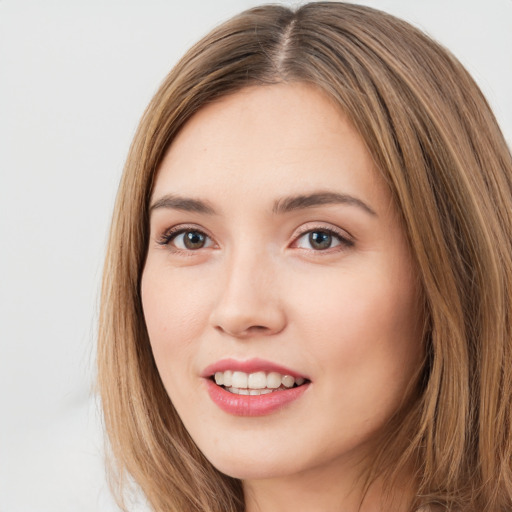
x,y
194,240
189,240
320,240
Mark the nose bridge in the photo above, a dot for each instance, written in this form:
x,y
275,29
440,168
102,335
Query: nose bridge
x,y
249,267
248,300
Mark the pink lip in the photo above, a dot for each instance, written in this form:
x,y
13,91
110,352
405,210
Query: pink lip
x,y
249,366
251,405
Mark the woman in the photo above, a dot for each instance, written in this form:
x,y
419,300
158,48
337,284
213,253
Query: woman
x,y
306,299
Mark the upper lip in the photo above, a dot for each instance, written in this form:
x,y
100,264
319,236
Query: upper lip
x,y
248,366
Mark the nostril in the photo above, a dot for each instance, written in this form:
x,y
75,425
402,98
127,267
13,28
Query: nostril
x,y
256,329
253,329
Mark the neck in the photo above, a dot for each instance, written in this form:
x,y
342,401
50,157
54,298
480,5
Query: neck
x,y
329,491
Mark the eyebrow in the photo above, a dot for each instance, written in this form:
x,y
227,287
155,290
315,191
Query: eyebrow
x,y
186,204
281,206
302,201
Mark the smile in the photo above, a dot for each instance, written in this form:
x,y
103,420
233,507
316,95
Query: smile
x,y
254,384
254,387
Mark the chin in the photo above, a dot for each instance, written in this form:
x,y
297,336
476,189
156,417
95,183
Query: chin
x,y
252,465
254,470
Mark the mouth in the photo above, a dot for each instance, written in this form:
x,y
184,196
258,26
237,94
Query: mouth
x,y
257,383
254,387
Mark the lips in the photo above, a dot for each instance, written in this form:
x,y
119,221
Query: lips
x,y
249,366
254,387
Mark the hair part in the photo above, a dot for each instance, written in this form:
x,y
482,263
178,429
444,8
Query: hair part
x,y
437,144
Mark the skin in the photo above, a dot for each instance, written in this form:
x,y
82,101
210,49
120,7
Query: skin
x,y
346,316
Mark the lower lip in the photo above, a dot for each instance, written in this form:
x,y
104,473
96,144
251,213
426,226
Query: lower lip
x,y
253,405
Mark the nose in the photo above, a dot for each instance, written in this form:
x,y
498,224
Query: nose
x,y
249,301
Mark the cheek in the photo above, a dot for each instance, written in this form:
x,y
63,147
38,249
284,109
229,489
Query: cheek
x,y
175,319
365,325
367,347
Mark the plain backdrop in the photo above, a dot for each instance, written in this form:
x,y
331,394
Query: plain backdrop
x,y
75,77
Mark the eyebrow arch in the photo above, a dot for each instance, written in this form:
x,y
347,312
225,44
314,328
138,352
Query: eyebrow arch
x,y
288,204
186,204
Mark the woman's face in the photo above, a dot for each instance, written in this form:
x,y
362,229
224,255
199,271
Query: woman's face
x,y
276,260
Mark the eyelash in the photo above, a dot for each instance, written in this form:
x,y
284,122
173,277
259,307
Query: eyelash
x,y
171,234
345,242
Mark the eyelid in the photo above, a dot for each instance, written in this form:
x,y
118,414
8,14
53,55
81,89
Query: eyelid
x,y
346,239
165,238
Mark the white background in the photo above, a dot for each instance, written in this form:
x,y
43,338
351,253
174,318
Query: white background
x,y
75,77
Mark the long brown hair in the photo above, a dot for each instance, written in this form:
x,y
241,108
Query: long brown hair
x,y
435,140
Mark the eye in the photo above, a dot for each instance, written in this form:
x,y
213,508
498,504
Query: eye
x,y
322,240
186,239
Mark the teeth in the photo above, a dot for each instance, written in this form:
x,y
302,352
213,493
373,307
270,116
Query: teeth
x,y
257,380
237,391
274,380
241,381
288,381
228,376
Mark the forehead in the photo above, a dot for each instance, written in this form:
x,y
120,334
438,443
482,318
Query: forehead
x,y
279,138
